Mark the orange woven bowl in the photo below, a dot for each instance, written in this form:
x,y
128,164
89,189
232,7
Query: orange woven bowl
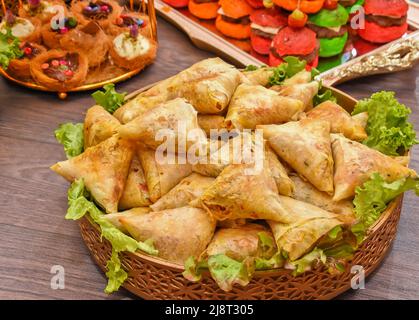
x,y
153,278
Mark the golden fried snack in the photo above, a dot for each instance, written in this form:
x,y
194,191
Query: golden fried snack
x,y
103,12
131,50
89,39
20,67
25,29
59,70
52,34
124,22
44,11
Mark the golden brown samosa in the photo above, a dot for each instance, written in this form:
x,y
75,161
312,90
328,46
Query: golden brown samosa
x,y
177,117
210,121
361,119
339,119
283,182
236,193
304,92
136,192
176,233
300,77
208,85
308,224
114,217
305,146
306,192
259,76
254,105
143,102
161,177
104,169
184,192
355,163
99,125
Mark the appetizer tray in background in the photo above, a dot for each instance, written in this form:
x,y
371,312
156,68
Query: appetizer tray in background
x,y
326,195
256,48
49,45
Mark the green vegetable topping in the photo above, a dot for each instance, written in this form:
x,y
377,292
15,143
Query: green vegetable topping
x,y
323,95
9,48
306,262
109,98
79,204
251,67
71,137
372,197
388,128
287,69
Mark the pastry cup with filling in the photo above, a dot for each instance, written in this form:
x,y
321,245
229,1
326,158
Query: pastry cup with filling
x,y
52,34
131,50
59,70
103,12
89,39
21,67
43,10
24,29
124,22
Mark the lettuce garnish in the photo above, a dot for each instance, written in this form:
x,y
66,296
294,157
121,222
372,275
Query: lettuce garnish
x,y
388,128
109,99
287,69
80,203
372,197
9,48
70,135
307,261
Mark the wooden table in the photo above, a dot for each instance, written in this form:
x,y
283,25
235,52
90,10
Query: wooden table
x,y
34,235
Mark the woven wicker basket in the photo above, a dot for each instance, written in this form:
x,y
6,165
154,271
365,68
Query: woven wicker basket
x,y
153,278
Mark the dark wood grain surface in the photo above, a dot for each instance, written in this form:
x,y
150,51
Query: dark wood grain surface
x,y
34,235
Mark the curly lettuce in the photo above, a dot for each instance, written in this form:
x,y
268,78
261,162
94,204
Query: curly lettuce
x,y
109,99
9,48
372,197
79,204
388,128
70,135
290,67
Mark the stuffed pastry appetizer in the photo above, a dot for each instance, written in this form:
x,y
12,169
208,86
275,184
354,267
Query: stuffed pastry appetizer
x,y
43,10
131,50
21,67
104,12
53,33
26,30
126,20
59,70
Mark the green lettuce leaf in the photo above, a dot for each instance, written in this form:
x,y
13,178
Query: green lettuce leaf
x,y
323,95
276,261
9,48
306,262
287,69
79,204
227,272
266,244
372,197
388,128
109,99
193,269
251,67
70,135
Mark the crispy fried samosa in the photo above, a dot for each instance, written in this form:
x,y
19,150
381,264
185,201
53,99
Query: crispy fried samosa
x,y
114,217
208,85
176,233
339,119
306,192
304,92
355,162
99,125
184,192
259,76
104,169
253,105
175,116
160,178
143,102
236,193
305,146
210,121
308,224
361,119
283,182
136,192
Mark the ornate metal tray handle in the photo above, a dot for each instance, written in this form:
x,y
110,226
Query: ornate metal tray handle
x,y
396,56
